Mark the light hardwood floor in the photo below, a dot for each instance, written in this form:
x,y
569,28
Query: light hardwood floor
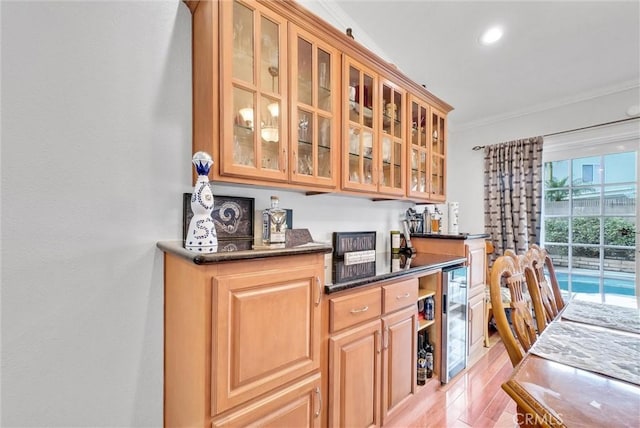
x,y
473,399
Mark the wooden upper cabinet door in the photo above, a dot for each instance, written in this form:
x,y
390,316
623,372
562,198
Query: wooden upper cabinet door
x,y
418,151
315,96
391,141
253,102
437,167
266,328
361,113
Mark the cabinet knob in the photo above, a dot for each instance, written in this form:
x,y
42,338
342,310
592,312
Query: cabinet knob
x,y
403,296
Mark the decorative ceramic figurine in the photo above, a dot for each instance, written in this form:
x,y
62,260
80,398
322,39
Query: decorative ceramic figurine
x,y
202,236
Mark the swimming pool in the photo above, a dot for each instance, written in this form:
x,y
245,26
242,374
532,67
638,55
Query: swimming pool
x,y
591,284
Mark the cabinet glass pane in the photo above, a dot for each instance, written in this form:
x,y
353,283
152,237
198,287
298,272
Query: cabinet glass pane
x,y
270,54
437,135
387,171
324,80
422,185
305,58
388,113
354,95
397,115
242,42
305,147
270,133
367,101
397,163
367,145
422,125
324,147
243,130
415,109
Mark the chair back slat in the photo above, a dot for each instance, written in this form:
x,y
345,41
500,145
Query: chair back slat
x,y
507,270
548,295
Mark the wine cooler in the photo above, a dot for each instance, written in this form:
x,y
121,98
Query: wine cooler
x,y
454,322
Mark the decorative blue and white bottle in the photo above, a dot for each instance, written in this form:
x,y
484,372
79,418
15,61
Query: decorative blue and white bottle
x,y
202,236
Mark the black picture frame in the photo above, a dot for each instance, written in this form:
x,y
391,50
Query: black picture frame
x,y
233,217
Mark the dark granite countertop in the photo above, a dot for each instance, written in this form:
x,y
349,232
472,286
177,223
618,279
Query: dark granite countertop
x,y
227,251
450,236
386,266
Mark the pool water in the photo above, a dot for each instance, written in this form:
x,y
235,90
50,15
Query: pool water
x,y
591,284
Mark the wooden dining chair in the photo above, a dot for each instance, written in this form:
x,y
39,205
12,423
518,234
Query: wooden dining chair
x,y
528,266
552,278
539,258
488,311
507,269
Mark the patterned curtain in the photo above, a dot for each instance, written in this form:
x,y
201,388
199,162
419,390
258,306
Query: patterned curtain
x,y
513,194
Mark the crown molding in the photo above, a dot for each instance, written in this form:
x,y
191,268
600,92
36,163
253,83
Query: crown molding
x,y
560,102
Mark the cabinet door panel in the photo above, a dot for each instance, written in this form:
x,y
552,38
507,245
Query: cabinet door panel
x,y
476,323
268,331
295,406
354,383
253,139
314,113
399,359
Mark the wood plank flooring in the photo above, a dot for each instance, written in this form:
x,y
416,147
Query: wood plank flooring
x,y
473,399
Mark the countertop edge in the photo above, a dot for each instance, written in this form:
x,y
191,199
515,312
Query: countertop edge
x,y
446,236
176,248
334,288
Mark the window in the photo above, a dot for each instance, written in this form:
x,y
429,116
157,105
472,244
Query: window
x,y
590,224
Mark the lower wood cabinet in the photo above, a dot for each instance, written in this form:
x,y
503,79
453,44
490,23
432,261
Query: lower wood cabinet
x,y
355,378
476,320
298,405
242,341
372,362
398,359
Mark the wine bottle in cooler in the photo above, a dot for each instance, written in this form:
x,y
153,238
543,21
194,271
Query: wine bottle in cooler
x,y
421,375
428,357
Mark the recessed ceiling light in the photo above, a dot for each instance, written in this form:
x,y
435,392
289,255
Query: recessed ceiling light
x,y
491,36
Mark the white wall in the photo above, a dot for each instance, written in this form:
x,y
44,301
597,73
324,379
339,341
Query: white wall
x,y
96,148
465,179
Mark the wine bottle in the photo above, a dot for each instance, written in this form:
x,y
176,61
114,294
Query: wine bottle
x,y
422,362
428,358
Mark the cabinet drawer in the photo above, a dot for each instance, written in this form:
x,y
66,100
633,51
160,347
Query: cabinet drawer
x,y
355,308
400,294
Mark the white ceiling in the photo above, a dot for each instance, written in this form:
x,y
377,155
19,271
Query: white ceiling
x,y
552,52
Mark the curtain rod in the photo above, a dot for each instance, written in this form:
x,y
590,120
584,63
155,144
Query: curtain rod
x,y
476,148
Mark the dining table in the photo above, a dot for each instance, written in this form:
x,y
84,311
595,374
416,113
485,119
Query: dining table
x,y
582,371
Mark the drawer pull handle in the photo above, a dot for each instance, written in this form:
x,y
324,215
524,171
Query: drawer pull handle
x,y
362,309
404,296
319,395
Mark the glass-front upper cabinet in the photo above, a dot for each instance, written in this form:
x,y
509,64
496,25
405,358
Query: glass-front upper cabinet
x,y
392,140
360,116
438,154
253,99
315,97
419,146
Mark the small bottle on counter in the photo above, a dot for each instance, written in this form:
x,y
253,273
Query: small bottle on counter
x,y
274,224
395,241
435,221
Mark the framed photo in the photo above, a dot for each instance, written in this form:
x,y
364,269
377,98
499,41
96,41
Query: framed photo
x,y
232,216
